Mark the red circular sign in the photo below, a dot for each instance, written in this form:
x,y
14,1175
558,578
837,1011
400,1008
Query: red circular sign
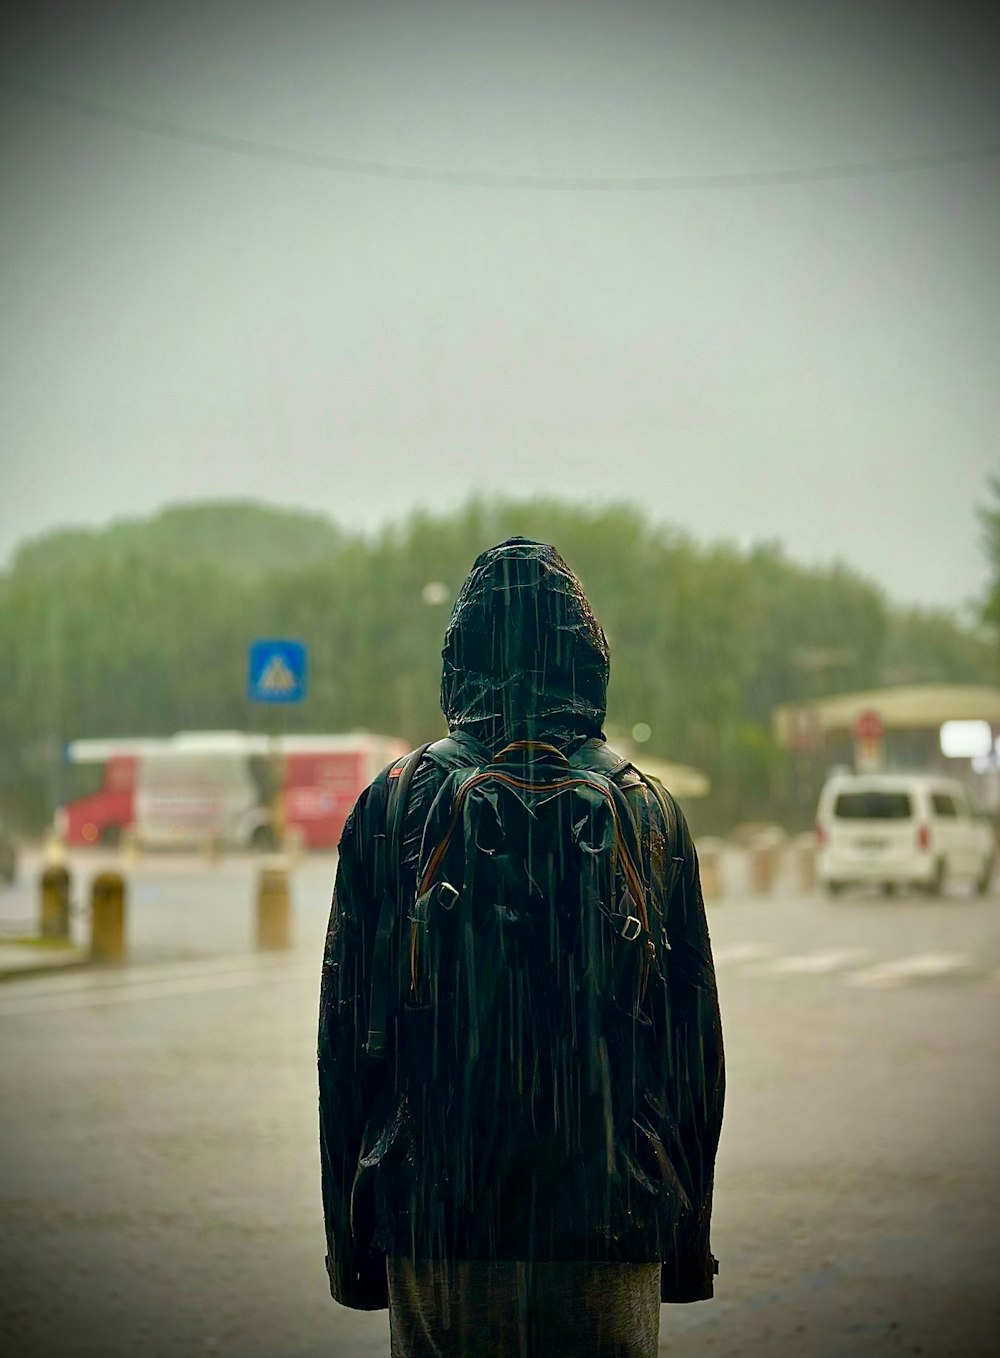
x,y
868,725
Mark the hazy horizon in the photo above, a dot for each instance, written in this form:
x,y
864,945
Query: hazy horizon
x,y
964,608
812,362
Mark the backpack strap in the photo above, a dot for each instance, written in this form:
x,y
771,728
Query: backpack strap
x,y
388,883
595,754
673,863
660,793
625,817
596,757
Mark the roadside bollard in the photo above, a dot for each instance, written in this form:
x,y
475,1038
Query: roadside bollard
x,y
805,861
212,848
709,852
53,850
274,910
55,902
107,918
764,850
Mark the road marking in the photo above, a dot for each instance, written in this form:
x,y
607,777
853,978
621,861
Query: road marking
x,y
92,989
815,963
730,954
164,983
918,967
761,960
96,978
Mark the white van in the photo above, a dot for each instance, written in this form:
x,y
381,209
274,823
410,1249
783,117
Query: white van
x,y
899,829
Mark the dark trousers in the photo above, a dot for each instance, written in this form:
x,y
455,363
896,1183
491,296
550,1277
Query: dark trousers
x,y
467,1308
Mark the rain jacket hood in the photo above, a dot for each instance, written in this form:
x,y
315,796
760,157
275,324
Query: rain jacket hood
x,y
524,656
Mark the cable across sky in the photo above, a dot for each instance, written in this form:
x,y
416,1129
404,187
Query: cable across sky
x,y
457,178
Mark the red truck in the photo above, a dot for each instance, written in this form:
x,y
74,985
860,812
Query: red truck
x,y
239,789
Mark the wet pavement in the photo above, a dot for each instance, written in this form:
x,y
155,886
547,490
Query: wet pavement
x,y
159,1177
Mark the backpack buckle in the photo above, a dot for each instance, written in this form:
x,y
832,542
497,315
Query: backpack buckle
x,y
447,895
631,929
376,1047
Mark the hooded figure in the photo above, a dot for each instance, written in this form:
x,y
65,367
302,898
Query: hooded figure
x,y
524,660
523,655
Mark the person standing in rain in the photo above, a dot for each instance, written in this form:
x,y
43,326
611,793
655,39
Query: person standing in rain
x,y
520,1050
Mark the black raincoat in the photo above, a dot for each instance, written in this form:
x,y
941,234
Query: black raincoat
x,y
524,658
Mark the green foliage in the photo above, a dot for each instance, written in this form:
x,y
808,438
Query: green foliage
x,y
929,646
243,536
989,518
143,629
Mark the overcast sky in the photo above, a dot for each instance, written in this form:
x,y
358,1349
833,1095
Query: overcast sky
x,y
816,362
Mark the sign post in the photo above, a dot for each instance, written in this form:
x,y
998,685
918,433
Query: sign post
x,y
276,673
869,741
805,729
805,739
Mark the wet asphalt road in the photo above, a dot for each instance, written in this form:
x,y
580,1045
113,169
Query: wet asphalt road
x,y
159,1173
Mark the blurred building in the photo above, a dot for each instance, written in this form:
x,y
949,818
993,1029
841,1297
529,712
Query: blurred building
x,y
895,728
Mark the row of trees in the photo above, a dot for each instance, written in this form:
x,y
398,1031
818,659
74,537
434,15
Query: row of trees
x,y
143,629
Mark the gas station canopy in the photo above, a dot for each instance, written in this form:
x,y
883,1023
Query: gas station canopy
x,y
913,707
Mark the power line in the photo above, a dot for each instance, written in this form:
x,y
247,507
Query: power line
x,y
425,174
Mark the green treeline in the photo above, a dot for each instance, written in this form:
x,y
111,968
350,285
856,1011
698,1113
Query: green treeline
x,y
142,629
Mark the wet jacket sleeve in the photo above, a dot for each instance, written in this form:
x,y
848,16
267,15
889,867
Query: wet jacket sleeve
x,y
356,1271
694,1073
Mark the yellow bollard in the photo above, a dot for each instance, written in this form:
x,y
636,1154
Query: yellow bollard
x,y
758,868
710,867
107,918
765,853
212,847
805,861
274,910
53,850
55,902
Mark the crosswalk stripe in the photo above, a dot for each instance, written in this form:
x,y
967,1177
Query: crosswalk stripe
x,y
816,963
919,966
166,987
733,953
757,959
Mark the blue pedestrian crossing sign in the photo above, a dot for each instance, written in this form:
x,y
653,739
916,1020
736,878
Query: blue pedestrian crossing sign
x,y
277,672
